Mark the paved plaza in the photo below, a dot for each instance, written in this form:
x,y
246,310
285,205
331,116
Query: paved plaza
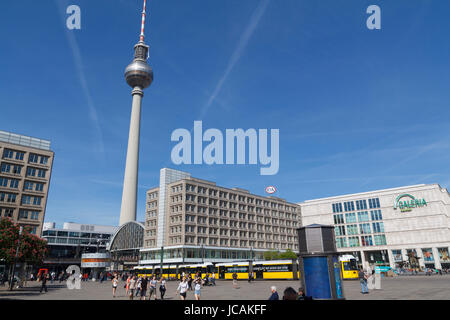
x,y
434,287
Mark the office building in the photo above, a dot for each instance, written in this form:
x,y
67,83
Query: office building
x,y
25,171
194,220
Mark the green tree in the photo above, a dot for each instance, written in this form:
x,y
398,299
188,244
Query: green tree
x,y
271,255
32,249
288,254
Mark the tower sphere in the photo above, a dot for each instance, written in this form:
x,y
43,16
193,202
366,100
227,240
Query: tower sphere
x,y
138,74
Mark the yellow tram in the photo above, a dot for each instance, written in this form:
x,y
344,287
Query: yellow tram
x,y
270,269
349,269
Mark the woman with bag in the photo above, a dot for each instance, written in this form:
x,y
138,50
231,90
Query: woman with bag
x,y
162,287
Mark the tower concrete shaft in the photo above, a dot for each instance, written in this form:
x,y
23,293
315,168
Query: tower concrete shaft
x,y
130,180
139,75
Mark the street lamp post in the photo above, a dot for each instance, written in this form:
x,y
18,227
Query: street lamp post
x,y
11,284
162,259
202,253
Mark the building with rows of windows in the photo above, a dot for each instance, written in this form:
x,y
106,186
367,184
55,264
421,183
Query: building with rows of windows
x,y
25,170
194,220
387,227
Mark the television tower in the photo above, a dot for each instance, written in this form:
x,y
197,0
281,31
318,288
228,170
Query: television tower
x,y
139,75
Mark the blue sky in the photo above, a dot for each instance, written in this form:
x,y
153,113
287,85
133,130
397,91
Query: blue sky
x,y
357,110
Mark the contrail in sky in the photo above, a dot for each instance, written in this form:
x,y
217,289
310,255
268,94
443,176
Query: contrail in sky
x,y
240,48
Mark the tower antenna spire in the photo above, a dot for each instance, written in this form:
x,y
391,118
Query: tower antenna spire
x,y
141,38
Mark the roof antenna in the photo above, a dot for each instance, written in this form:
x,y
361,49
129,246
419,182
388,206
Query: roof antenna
x,y
141,38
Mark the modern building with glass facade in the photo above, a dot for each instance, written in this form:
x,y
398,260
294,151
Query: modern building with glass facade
x,y
25,170
388,227
67,244
191,220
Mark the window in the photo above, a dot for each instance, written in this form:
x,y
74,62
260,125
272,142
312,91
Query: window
x,y
19,155
28,185
361,205
376,215
339,231
341,242
39,187
349,206
337,207
8,197
8,154
14,184
31,172
338,218
3,182
44,160
17,169
41,173
366,241
23,214
33,158
26,199
352,229
353,241
380,239
350,217
363,216
378,227
6,167
364,228
374,203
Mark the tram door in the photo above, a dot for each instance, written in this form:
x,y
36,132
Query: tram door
x,y
221,272
259,272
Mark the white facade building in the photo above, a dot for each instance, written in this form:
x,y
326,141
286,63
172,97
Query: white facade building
x,y
384,227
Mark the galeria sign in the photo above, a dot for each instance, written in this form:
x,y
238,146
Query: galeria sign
x,y
407,202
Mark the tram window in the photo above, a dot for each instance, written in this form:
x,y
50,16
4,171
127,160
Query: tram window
x,y
349,265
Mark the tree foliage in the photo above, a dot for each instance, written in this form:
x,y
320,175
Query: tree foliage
x,y
32,249
274,255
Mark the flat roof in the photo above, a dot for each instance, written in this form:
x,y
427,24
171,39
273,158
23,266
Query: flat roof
x,y
367,193
25,141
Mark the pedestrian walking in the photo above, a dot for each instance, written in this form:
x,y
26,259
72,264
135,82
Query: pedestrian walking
x,y
132,287
213,279
197,288
144,284
153,283
138,285
44,278
115,282
235,277
363,281
274,295
190,282
183,288
127,284
162,287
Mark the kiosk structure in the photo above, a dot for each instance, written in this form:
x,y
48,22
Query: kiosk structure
x,y
320,269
